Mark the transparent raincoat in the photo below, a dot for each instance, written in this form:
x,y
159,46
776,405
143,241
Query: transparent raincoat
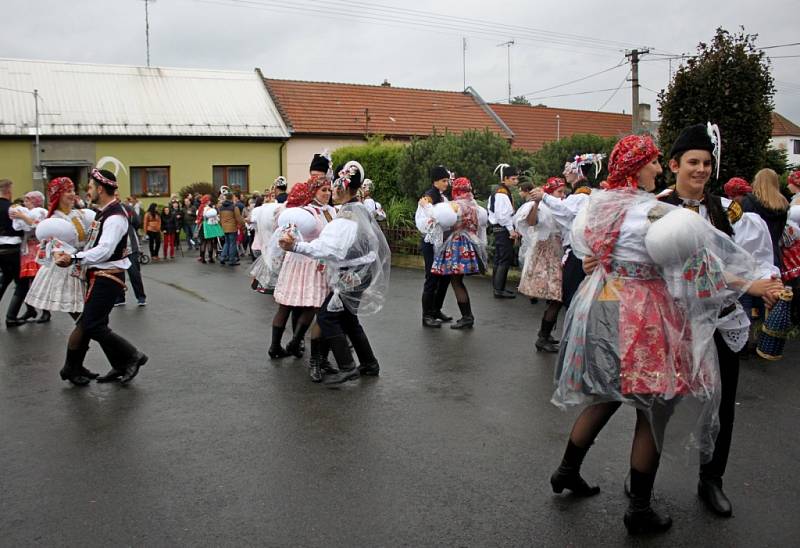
x,y
640,330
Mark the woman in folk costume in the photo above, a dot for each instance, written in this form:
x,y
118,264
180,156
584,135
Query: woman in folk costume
x,y
26,219
208,218
463,253
302,281
366,198
56,289
541,275
640,328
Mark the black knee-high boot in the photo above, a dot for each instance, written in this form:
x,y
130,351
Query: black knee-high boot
x,y
276,351
467,320
73,367
296,345
568,474
315,361
13,311
367,362
640,518
429,318
543,342
344,359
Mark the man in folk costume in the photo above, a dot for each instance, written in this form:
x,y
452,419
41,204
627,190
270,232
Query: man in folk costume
x,y
564,213
279,187
357,260
104,262
10,242
501,218
434,290
691,160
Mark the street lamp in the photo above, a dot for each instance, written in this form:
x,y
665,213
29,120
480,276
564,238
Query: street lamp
x,y
558,127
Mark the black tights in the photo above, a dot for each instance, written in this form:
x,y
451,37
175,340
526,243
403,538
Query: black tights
x,y
209,245
460,290
301,316
644,453
551,312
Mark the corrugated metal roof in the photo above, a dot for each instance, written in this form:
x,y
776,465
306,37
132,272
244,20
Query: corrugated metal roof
x,y
109,100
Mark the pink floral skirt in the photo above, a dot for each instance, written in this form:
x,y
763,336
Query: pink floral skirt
x,y
541,275
301,282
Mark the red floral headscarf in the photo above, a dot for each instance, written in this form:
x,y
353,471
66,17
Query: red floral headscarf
x,y
628,158
300,195
794,178
736,186
553,184
462,189
55,189
316,182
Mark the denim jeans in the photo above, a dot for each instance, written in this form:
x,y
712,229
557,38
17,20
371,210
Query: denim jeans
x,y
229,252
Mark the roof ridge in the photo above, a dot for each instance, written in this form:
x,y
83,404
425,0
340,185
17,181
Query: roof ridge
x,y
116,65
540,107
351,84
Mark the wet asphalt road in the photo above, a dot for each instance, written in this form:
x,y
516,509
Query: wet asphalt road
x,y
453,445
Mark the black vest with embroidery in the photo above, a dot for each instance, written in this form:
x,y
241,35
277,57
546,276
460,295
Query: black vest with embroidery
x,y
716,212
114,208
505,191
6,226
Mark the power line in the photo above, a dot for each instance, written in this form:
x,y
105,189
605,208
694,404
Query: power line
x,y
551,41
781,46
784,56
577,79
619,87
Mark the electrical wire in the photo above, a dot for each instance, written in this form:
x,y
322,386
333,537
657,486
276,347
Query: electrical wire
x,y
622,83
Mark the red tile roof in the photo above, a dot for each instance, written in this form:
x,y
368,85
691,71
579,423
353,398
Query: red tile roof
x,y
782,126
340,109
535,126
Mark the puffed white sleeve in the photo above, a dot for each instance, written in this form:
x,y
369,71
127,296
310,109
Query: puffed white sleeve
x,y
503,211
521,217
564,211
333,242
423,218
19,224
483,221
380,214
752,235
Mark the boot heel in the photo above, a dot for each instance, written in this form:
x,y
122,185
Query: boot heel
x,y
557,487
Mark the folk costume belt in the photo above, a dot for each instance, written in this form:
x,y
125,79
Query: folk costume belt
x,y
94,273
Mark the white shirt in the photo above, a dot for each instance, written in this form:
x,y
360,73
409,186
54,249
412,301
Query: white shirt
x,y
564,212
503,213
333,242
375,208
114,229
423,219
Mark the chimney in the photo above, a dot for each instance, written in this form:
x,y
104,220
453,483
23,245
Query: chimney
x,y
386,83
644,115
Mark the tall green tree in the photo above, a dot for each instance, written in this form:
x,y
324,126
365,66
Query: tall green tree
x,y
728,83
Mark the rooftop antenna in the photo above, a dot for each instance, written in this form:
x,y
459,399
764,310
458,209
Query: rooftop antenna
x,y
508,45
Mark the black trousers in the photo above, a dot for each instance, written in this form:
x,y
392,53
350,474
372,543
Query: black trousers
x,y
9,268
93,323
572,277
729,378
135,275
503,248
436,285
333,324
337,327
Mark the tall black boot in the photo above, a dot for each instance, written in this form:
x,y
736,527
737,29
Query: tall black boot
x,y
441,294
13,311
568,474
428,306
367,362
73,366
315,361
276,351
500,277
125,359
640,518
467,319
297,345
344,359
45,317
543,343
30,313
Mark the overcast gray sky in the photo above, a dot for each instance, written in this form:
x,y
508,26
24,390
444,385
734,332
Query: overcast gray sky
x,y
367,42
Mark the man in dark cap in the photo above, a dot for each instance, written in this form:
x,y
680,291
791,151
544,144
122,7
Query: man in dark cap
x,y
104,261
434,290
10,242
691,160
501,219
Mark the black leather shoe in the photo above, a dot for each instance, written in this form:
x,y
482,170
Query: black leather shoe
x,y
327,367
45,317
430,321
369,369
132,369
293,349
342,376
88,374
315,372
74,377
710,490
111,376
567,479
444,318
646,521
503,294
15,322
277,352
30,314
467,322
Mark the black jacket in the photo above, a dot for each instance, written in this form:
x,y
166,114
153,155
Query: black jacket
x,y
775,219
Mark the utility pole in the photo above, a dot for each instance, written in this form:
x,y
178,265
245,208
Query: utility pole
x,y
38,160
634,57
508,46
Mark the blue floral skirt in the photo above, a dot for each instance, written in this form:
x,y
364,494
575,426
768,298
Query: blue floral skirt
x,y
457,256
